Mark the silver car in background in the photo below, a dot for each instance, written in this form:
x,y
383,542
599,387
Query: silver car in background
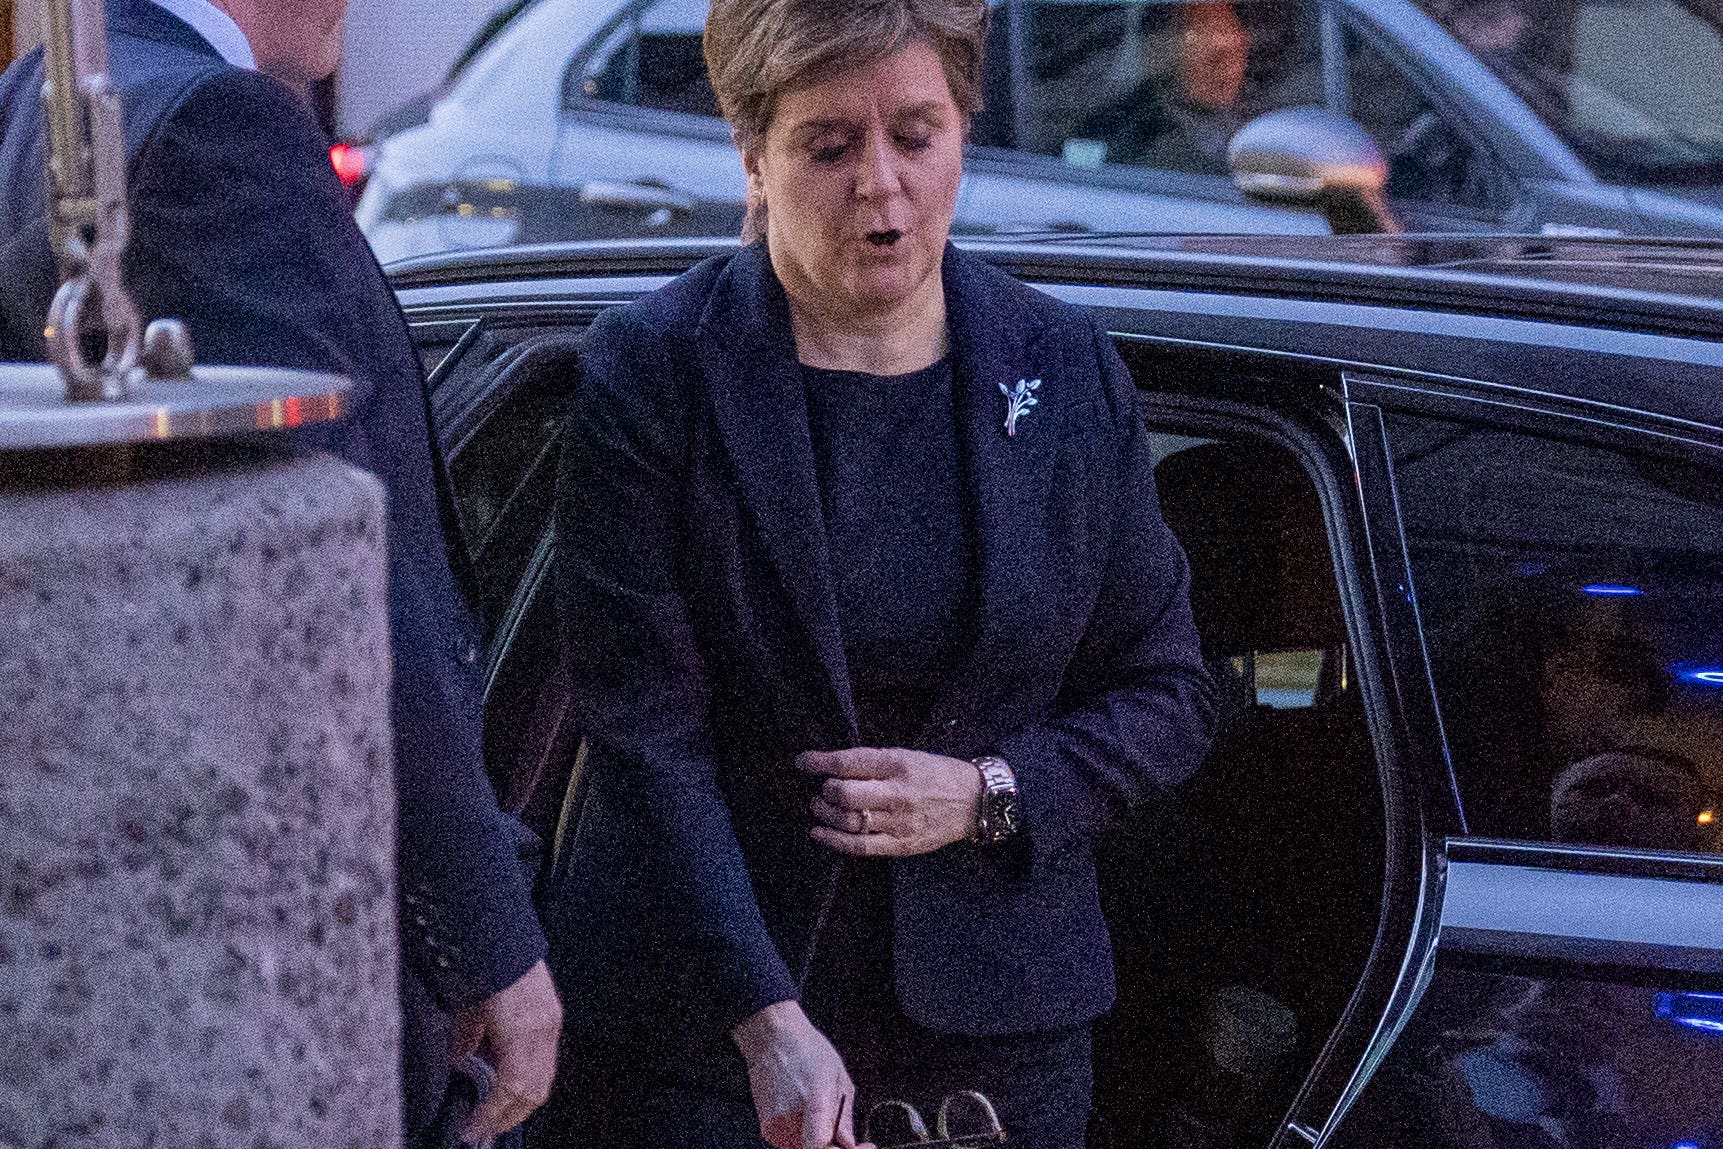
x,y
593,118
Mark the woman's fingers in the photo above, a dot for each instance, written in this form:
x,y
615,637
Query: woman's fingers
x,y
783,1131
866,845
862,763
864,795
820,1121
847,819
802,1092
892,803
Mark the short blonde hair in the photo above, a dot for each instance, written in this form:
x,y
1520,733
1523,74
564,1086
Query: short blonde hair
x,y
757,49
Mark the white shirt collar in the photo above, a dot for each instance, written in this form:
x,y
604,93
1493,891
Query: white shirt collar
x,y
215,26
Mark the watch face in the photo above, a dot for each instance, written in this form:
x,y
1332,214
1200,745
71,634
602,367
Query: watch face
x,y
1008,813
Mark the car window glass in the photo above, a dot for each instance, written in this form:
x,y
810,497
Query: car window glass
x,y
1429,157
1161,85
653,59
498,410
1585,67
1495,1059
1569,594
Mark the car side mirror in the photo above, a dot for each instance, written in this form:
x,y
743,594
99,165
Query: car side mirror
x,y
1312,157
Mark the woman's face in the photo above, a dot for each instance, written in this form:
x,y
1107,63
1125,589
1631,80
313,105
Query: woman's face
x,y
859,174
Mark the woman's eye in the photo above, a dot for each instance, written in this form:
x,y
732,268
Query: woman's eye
x,y
829,153
914,143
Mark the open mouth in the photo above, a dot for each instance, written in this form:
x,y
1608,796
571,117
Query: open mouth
x,y
884,238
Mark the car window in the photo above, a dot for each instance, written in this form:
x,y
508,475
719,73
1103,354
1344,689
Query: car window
x,y
1161,85
652,58
498,409
499,19
1632,85
1499,1059
1569,592
1429,157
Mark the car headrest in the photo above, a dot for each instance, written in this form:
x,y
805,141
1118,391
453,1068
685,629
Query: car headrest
x,y
1262,577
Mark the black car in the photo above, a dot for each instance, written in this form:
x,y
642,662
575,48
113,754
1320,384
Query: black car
x,y
1450,877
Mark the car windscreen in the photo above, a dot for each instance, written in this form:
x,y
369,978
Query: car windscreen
x,y
1635,87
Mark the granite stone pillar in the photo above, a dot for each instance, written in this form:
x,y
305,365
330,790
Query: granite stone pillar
x,y
197,904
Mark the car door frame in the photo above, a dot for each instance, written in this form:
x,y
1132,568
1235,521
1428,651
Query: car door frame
x,y
1475,885
1417,789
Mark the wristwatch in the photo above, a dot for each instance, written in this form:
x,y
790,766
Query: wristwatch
x,y
999,814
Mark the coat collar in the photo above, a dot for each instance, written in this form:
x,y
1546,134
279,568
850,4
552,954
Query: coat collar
x,y
150,21
760,406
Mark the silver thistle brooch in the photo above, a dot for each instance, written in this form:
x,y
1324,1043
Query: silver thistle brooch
x,y
1018,400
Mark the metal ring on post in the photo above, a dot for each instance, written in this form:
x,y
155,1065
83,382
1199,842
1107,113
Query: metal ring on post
x,y
85,381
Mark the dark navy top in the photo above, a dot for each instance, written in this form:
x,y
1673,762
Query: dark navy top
x,y
898,538
885,447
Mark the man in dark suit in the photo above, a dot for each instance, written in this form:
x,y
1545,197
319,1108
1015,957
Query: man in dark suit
x,y
240,228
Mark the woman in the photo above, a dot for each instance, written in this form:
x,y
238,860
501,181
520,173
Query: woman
x,y
858,549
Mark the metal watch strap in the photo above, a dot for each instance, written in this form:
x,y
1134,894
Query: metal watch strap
x,y
997,816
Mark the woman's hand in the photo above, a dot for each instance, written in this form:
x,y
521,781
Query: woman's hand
x,y
892,803
802,1092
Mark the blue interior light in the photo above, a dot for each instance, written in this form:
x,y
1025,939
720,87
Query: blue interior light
x,y
1612,590
1701,675
1701,1011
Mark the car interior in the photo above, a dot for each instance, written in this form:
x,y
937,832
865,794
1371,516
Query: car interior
x,y
1243,906
1243,911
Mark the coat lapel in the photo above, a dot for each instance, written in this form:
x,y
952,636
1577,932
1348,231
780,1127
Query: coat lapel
x,y
761,408
994,337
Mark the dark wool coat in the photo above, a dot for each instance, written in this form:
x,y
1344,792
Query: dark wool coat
x,y
240,228
702,634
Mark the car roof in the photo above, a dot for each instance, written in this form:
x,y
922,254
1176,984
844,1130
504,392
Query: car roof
x,y
1659,285
1534,320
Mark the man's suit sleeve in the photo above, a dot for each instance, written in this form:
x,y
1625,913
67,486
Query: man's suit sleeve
x,y
240,228
237,229
1136,713
640,682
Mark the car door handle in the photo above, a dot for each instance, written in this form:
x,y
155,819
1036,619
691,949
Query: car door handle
x,y
638,196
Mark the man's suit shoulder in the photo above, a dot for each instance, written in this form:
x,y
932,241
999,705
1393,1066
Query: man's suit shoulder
x,y
217,107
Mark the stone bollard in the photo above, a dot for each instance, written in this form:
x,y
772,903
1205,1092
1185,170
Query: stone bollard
x,y
197,901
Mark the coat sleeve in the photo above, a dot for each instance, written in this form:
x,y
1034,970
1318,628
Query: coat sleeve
x,y
1136,712
641,688
240,228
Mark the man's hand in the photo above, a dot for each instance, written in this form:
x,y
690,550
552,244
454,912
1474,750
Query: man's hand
x,y
892,803
802,1092
517,1029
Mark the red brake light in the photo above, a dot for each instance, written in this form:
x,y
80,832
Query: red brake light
x,y
351,163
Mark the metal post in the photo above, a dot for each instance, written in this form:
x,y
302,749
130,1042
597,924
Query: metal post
x,y
197,896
